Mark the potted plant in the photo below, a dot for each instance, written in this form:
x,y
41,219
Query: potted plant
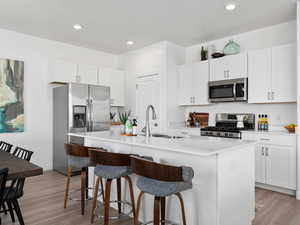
x,y
123,117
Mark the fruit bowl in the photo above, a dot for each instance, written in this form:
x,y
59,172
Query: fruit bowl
x,y
290,129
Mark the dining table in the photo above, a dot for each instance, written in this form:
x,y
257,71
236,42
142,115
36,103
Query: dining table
x,y
18,168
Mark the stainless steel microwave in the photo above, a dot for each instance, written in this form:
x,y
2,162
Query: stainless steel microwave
x,y
235,90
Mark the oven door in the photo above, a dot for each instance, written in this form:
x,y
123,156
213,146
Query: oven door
x,y
221,91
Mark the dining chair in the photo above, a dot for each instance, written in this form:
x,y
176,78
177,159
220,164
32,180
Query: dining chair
x,y
4,146
3,178
15,190
23,153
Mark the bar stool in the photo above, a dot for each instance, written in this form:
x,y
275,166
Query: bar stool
x,y
78,158
161,181
111,166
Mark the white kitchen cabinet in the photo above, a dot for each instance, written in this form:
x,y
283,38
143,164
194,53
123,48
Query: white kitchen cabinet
x,y
87,74
260,75
64,72
272,75
284,73
275,159
193,84
260,164
229,67
115,79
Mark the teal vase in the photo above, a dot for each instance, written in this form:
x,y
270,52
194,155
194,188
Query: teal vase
x,y
232,48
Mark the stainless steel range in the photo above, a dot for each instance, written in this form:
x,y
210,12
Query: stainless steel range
x,y
230,125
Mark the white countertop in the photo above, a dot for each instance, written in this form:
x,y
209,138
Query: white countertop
x,y
271,132
195,145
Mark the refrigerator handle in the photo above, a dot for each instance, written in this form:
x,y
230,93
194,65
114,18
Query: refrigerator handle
x,y
88,115
91,113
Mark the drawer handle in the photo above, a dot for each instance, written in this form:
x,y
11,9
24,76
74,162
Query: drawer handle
x,y
265,139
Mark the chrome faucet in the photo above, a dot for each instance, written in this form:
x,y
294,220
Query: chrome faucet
x,y
147,127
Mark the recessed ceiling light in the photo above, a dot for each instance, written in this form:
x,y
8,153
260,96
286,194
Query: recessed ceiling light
x,y
77,26
230,6
129,42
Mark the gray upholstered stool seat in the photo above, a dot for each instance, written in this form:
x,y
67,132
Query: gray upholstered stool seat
x,y
78,162
162,188
112,172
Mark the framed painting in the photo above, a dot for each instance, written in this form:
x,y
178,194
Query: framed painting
x,y
11,96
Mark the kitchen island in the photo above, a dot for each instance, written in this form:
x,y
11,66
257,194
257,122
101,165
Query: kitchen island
x,y
223,187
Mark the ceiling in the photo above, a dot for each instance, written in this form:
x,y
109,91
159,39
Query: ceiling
x,y
108,24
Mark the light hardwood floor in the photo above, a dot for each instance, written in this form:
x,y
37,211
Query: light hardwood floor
x,y
42,204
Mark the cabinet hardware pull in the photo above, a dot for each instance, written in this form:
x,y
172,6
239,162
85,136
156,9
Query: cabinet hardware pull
x,y
224,73
262,151
227,73
267,151
269,95
265,139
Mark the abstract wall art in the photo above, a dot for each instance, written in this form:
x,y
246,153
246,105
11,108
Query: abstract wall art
x,y
11,96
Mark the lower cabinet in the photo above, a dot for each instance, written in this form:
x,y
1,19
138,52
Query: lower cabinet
x,y
275,159
276,165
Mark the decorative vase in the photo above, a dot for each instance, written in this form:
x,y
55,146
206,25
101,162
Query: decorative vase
x,y
122,129
232,48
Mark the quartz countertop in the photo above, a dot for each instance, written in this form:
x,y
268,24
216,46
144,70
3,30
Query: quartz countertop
x,y
194,145
271,132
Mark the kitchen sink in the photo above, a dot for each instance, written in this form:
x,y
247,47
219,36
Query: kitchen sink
x,y
165,136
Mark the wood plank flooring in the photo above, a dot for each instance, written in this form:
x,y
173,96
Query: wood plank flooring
x,y
42,204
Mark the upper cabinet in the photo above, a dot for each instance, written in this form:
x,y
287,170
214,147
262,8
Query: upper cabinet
x,y
272,75
229,67
68,72
115,79
87,74
65,72
193,84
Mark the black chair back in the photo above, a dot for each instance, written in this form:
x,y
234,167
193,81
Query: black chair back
x,y
4,146
22,153
3,178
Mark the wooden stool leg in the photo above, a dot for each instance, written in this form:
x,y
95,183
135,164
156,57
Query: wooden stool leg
x,y
87,182
106,203
182,208
131,196
119,194
67,187
156,213
95,199
163,210
83,191
11,211
136,222
102,191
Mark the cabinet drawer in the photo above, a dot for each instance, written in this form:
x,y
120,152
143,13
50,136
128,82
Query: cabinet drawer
x,y
272,139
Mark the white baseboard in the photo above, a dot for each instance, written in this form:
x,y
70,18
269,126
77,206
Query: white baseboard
x,y
277,189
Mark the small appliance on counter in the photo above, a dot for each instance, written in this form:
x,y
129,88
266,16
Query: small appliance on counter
x,y
197,119
230,125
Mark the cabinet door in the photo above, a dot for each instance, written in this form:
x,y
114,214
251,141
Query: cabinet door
x,y
185,88
237,66
278,161
218,69
260,164
104,76
199,83
117,92
88,74
65,72
284,73
259,81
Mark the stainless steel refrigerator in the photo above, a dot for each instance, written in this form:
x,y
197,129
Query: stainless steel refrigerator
x,y
77,108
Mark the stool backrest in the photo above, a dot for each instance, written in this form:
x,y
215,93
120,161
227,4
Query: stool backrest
x,y
103,157
23,153
4,146
156,171
77,150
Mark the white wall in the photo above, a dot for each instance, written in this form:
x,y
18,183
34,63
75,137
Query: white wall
x,y
298,100
39,55
279,114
